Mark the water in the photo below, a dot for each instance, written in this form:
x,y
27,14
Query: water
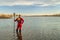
x,y
34,28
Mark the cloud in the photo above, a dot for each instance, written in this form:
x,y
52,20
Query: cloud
x,y
29,2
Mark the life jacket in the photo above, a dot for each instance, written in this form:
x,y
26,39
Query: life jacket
x,y
19,20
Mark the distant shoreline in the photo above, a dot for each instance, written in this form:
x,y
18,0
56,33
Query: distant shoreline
x,y
8,16
5,16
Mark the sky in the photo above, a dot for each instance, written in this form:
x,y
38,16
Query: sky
x,y
30,6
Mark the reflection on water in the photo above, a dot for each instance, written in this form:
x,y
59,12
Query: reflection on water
x,y
19,36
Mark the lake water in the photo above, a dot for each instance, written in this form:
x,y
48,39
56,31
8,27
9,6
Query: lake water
x,y
34,28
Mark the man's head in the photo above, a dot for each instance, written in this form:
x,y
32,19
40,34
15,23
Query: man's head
x,y
19,15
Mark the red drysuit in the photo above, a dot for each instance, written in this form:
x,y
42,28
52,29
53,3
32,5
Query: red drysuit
x,y
20,21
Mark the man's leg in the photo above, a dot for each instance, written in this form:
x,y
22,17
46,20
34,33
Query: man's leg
x,y
17,32
20,32
20,35
20,27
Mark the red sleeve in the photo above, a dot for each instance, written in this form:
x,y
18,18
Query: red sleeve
x,y
22,20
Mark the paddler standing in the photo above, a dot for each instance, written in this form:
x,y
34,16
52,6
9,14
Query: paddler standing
x,y
20,21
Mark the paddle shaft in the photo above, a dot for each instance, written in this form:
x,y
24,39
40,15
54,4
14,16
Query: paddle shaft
x,y
14,25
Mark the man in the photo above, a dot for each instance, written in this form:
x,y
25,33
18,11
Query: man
x,y
20,21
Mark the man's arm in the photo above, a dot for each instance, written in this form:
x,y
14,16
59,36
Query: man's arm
x,y
22,20
15,20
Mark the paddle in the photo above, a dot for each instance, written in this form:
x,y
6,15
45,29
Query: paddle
x,y
14,26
